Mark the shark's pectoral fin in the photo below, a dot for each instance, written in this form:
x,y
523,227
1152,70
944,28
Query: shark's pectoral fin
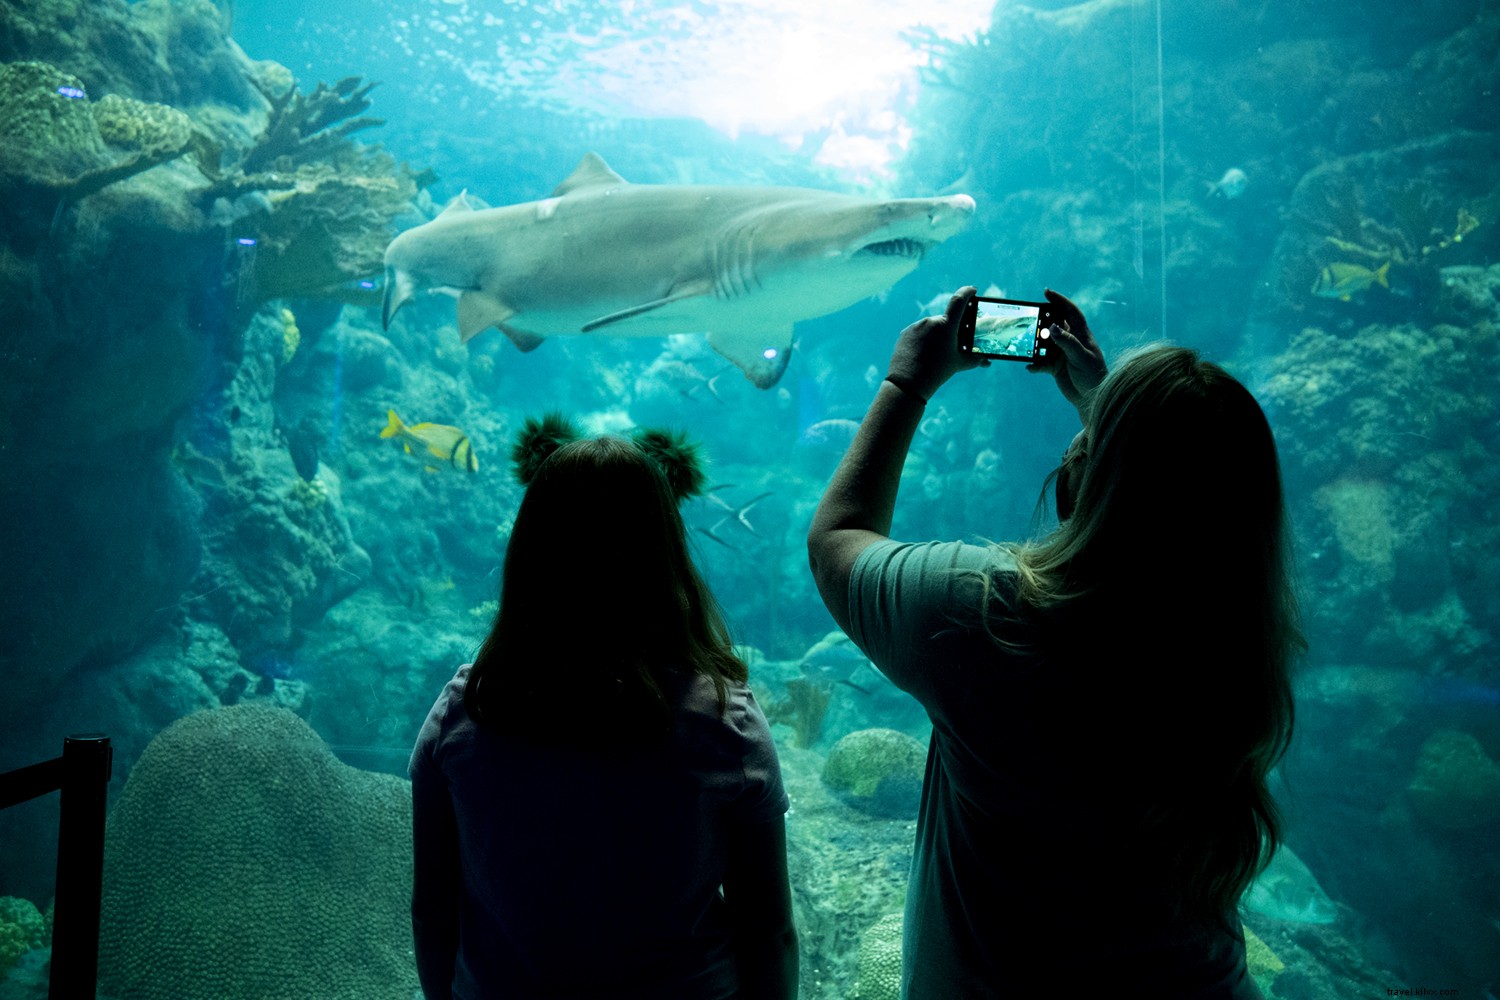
x,y
690,291
523,340
762,354
479,310
399,288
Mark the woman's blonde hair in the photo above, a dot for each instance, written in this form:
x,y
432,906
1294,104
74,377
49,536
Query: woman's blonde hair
x,y
1176,549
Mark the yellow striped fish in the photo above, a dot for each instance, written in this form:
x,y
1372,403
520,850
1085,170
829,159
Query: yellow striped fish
x,y
1343,281
441,441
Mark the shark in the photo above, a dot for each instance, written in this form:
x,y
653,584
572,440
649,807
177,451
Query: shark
x,y
603,256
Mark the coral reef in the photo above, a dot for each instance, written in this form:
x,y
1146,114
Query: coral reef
x,y
1388,456
1456,785
878,771
244,860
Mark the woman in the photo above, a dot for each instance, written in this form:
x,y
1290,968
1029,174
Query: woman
x,y
598,809
1106,703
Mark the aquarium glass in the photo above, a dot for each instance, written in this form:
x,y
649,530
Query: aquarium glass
x,y
255,457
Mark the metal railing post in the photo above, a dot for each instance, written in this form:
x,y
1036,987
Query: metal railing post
x,y
87,764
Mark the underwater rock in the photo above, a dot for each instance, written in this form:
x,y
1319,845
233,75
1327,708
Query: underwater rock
x,y
1456,785
878,771
172,51
243,861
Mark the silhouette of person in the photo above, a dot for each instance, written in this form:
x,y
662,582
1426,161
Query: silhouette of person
x,y
598,806
1106,702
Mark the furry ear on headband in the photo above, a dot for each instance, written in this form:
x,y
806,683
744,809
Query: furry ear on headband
x,y
536,442
678,457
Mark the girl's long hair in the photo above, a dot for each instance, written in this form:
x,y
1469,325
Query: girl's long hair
x,y
599,604
1168,592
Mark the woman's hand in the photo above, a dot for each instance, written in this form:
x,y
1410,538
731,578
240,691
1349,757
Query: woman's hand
x,y
1078,364
927,353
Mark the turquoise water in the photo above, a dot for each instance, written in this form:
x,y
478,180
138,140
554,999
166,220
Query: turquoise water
x,y
198,510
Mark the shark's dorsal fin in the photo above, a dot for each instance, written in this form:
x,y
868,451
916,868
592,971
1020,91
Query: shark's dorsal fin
x,y
591,172
465,202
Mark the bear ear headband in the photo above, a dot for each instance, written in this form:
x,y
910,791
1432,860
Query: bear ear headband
x,y
673,453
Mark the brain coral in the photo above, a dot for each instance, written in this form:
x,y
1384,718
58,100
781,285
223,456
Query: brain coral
x,y
880,961
243,860
22,928
878,771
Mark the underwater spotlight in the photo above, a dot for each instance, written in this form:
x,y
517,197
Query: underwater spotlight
x,y
770,353
367,284
245,241
72,93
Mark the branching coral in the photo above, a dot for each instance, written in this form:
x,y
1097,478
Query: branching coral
x,y
325,219
308,128
803,709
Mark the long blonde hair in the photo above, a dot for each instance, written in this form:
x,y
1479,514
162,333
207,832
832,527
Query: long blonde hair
x,y
1177,533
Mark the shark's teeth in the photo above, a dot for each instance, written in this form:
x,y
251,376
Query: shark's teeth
x,y
896,248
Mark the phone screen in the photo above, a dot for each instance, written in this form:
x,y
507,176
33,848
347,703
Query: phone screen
x,y
1007,328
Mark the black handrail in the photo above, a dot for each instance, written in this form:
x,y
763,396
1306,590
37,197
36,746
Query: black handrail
x,y
82,773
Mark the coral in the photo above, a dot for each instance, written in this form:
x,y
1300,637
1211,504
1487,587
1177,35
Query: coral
x,y
1361,522
803,709
302,129
56,141
880,961
1364,402
1263,963
878,771
243,860
291,336
22,928
327,226
1456,785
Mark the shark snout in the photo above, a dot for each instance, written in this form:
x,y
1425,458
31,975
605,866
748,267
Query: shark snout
x,y
952,213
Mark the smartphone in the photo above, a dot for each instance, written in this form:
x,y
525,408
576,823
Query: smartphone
x,y
1006,329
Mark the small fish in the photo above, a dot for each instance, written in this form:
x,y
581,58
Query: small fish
x,y
732,514
1230,186
837,432
1343,281
937,426
836,659
441,441
1288,890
